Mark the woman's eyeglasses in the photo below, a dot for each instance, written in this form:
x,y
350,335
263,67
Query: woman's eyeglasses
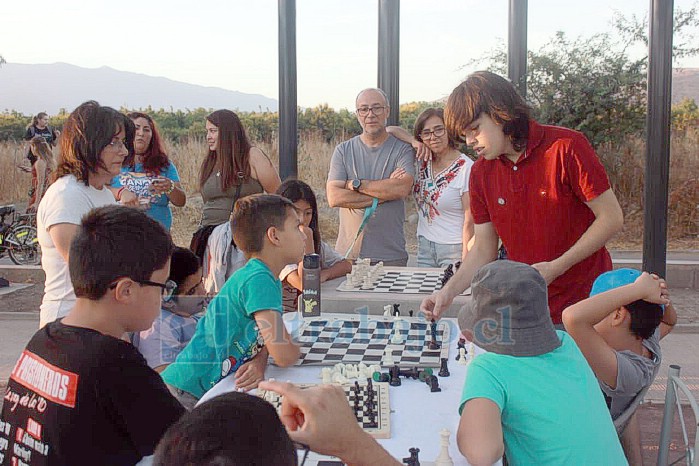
x,y
438,132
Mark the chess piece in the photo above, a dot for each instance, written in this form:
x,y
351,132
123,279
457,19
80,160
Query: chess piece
x,y
387,357
433,382
462,356
433,345
394,375
397,338
381,377
387,310
396,309
411,312
326,374
443,369
448,273
459,345
413,373
443,459
413,460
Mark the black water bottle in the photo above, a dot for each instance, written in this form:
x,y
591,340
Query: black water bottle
x,y
310,298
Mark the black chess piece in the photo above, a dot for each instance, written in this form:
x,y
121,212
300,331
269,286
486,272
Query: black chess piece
x,y
459,345
434,344
396,309
443,369
381,377
394,374
413,373
448,273
413,460
433,382
411,312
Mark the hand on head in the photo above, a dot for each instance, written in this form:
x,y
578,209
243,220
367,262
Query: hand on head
x,y
652,288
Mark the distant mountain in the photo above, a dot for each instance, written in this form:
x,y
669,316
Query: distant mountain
x,y
34,88
685,83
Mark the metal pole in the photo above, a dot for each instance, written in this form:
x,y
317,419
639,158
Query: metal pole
x,y
517,45
668,415
657,136
288,137
389,58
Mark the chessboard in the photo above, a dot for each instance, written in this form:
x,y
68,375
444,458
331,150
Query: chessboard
x,y
369,339
367,399
399,281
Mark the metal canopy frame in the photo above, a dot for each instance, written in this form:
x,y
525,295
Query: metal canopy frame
x,y
657,122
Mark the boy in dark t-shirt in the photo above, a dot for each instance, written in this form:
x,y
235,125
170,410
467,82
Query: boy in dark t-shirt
x,y
79,394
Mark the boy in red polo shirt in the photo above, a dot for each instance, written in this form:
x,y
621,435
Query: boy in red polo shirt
x,y
541,189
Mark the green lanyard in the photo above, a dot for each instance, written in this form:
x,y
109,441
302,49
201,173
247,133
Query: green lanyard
x,y
367,213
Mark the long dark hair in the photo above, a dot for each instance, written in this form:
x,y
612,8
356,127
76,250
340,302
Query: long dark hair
x,y
486,92
86,132
233,154
297,190
154,159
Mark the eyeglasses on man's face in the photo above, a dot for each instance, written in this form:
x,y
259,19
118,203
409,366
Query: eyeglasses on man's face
x,y
168,288
377,110
437,132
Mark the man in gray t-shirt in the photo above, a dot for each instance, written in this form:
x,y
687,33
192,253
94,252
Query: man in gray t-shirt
x,y
372,165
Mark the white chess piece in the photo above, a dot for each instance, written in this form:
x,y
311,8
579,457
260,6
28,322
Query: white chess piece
x,y
471,352
326,374
387,309
444,459
339,378
462,356
397,338
387,357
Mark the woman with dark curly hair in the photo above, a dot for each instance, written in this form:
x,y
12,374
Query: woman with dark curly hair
x,y
148,178
94,144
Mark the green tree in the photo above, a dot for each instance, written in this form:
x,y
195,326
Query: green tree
x,y
592,84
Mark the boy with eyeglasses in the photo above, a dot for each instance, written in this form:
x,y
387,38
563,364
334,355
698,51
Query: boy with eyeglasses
x,y
175,326
369,177
79,393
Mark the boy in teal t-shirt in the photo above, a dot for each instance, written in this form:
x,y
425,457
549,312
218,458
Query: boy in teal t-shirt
x,y
532,397
245,319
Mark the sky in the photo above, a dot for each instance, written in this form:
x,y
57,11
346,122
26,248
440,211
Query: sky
x,y
233,44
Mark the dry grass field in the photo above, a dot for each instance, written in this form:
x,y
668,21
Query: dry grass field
x,y
625,166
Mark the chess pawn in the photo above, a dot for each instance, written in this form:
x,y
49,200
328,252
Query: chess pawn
x,y
444,459
387,357
462,357
326,374
339,378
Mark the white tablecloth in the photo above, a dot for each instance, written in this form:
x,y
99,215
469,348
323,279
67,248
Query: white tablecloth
x,y
417,415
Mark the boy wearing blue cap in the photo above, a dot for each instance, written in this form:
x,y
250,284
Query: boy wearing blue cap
x,y
618,329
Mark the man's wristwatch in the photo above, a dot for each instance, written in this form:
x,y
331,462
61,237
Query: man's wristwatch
x,y
356,184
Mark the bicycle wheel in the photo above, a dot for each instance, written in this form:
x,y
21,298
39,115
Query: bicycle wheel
x,y
23,245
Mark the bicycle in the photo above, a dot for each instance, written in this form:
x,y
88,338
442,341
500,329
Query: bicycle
x,y
18,237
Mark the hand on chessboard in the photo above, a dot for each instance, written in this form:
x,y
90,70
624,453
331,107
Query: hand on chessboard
x,y
320,417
